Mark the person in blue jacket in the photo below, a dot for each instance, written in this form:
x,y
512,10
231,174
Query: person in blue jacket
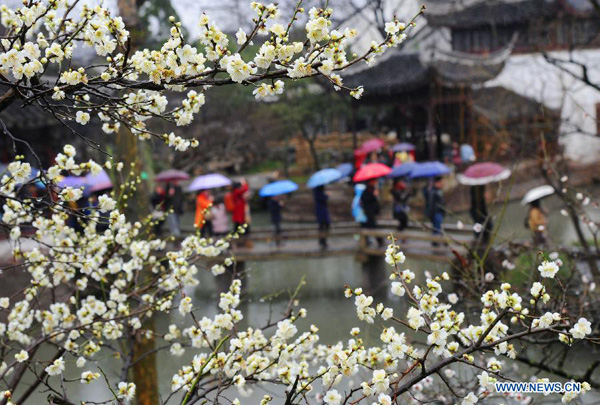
x,y
322,214
357,211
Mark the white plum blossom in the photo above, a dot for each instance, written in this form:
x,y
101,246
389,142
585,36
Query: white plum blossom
x,y
393,255
22,356
126,391
94,286
88,376
548,269
470,399
57,367
332,397
185,306
82,117
581,329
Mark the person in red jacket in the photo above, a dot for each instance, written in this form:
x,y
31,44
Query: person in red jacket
x,y
239,196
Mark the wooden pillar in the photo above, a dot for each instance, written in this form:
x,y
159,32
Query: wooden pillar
x,y
431,135
471,130
461,114
354,125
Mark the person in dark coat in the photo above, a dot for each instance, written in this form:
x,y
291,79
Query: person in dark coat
x,y
174,201
480,215
275,205
322,214
370,205
400,195
435,205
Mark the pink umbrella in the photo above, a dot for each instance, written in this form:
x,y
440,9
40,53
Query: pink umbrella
x,y
371,171
372,145
171,175
483,173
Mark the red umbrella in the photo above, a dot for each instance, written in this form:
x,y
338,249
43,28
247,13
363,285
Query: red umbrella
x,y
483,173
372,145
171,175
371,171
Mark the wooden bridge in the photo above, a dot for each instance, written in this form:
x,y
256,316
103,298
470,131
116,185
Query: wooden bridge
x,y
297,241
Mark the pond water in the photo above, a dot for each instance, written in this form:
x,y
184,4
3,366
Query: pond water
x,y
323,297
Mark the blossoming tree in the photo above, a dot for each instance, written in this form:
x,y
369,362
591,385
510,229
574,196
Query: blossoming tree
x,y
88,291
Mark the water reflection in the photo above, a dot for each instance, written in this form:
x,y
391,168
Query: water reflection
x,y
327,308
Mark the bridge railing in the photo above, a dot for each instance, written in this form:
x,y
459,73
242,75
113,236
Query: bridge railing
x,y
337,229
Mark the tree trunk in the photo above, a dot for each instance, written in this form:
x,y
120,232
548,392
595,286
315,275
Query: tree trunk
x,y
314,154
311,145
129,150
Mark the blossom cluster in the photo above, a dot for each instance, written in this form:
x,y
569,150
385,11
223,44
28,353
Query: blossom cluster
x,y
127,89
100,269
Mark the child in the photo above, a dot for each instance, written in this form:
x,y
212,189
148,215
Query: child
x,y
220,219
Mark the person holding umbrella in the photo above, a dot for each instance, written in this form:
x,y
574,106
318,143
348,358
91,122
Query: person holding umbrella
x,y
174,202
370,203
477,176
322,214
434,197
480,215
368,200
317,182
435,205
202,184
400,208
274,204
536,219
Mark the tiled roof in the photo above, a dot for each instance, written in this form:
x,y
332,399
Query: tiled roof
x,y
403,72
400,72
489,12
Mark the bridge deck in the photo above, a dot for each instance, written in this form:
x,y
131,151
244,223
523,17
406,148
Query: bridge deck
x,y
302,242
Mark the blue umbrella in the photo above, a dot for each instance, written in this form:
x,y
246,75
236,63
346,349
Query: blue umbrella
x,y
345,169
323,177
278,188
402,170
429,169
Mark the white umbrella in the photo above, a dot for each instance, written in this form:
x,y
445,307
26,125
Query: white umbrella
x,y
537,193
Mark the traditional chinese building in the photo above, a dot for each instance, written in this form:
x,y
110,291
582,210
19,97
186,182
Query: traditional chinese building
x,y
484,72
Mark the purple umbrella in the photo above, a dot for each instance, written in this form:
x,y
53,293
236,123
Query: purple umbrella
x,y
208,181
171,175
98,182
73,181
403,147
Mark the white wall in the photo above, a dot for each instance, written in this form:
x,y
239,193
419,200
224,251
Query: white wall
x,y
532,76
